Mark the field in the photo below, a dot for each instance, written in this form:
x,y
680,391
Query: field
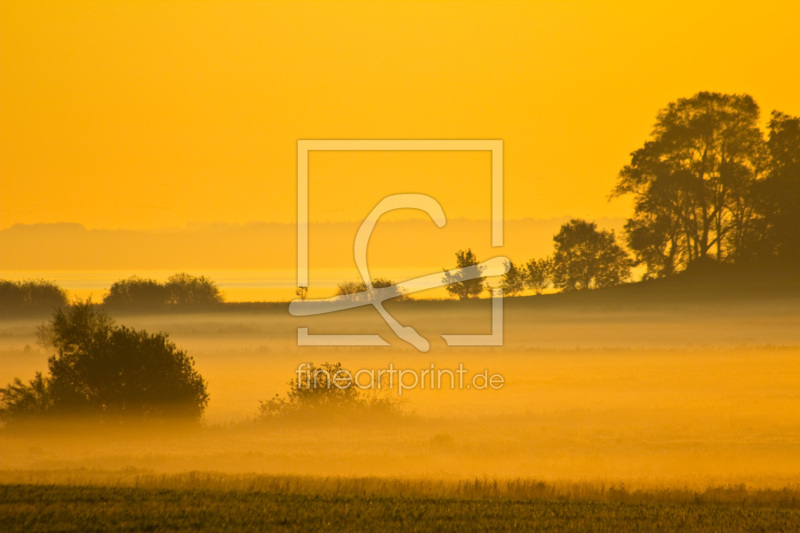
x,y
619,412
206,502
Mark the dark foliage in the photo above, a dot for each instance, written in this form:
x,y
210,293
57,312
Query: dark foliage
x,y
513,280
108,371
180,290
136,292
358,289
586,258
538,274
458,285
707,185
31,295
328,392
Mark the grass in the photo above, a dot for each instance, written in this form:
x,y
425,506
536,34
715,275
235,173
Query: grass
x,y
133,501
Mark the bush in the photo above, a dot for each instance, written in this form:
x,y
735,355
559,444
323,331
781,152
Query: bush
x,y
108,371
31,295
325,392
137,292
188,290
356,288
180,290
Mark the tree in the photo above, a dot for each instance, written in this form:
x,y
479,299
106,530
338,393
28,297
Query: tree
x,y
513,280
779,193
19,401
31,295
180,290
109,371
693,182
137,292
187,290
43,294
538,274
10,294
586,258
457,284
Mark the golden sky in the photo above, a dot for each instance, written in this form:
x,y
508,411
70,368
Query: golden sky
x,y
146,115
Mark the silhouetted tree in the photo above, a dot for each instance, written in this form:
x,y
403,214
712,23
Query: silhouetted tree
x,y
356,288
20,401
137,292
350,287
180,290
693,182
780,192
538,274
10,294
187,290
513,280
586,258
31,295
109,371
43,294
457,285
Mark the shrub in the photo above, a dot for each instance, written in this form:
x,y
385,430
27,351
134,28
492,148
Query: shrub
x,y
137,292
185,289
358,289
31,295
325,392
108,371
180,290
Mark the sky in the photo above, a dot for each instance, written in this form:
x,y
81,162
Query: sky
x,y
151,115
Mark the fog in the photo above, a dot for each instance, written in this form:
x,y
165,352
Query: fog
x,y
682,394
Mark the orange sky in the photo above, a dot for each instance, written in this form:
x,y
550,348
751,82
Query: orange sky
x,y
148,115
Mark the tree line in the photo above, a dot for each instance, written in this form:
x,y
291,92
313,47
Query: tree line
x,y
31,295
584,257
709,186
180,290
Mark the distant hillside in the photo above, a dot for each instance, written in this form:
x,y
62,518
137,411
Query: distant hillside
x,y
394,244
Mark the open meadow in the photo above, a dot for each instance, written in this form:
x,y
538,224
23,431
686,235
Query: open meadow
x,y
617,412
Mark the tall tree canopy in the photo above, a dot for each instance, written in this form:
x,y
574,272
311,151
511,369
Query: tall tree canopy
x,y
693,182
780,192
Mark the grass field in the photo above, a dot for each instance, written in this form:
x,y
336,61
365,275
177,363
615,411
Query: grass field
x,y
624,406
125,501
